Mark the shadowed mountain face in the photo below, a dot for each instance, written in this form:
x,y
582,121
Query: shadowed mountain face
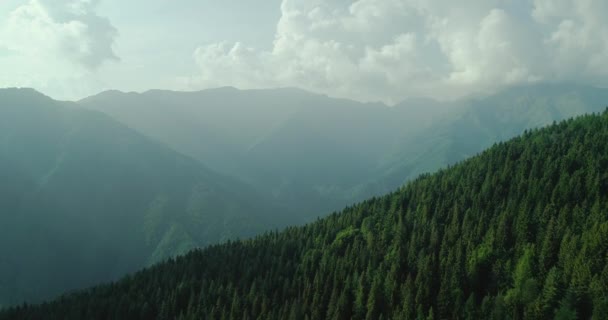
x,y
85,199
317,154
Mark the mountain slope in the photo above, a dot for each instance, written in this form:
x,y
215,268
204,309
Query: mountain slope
x,y
84,199
520,231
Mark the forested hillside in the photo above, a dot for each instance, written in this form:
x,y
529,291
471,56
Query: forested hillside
x,y
84,199
519,231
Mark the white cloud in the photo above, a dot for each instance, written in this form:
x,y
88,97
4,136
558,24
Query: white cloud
x,y
55,46
578,37
68,30
392,49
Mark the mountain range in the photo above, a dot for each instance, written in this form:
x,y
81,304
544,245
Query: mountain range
x,y
94,189
518,232
318,154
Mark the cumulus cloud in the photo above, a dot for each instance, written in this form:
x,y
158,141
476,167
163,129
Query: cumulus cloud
x,y
392,49
68,31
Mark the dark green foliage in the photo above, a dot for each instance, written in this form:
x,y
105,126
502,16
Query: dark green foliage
x,y
518,232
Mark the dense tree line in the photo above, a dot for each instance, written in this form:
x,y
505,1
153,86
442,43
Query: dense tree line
x,y
517,232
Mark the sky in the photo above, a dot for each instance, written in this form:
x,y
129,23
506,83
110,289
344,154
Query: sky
x,y
367,50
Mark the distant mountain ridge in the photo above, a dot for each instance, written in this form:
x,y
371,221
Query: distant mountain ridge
x,y
308,150
318,154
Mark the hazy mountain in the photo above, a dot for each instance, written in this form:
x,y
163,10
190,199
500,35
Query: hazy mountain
x,y
518,232
306,150
83,199
317,154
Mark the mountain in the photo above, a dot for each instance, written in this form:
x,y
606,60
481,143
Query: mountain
x,y
519,231
307,151
318,154
84,199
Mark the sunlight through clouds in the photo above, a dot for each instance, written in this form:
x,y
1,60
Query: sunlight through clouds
x,y
391,50
367,50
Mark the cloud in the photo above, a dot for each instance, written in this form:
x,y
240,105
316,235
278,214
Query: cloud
x,y
4,51
66,31
578,36
393,49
